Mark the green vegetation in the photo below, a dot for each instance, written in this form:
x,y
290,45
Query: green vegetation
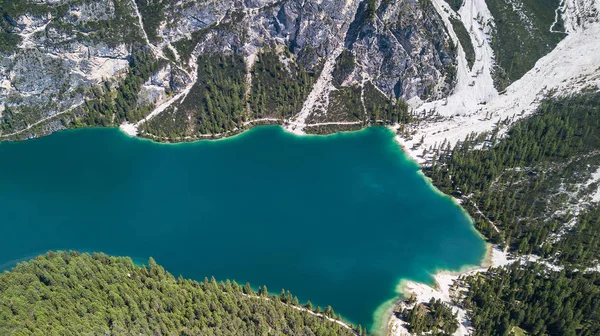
x,y
14,119
333,128
10,10
278,90
464,39
68,293
185,47
110,107
152,15
521,37
217,99
534,299
8,41
371,10
344,105
435,318
381,109
344,66
104,105
516,182
122,28
215,104
455,4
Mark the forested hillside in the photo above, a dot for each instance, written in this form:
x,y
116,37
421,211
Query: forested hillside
x,y
533,190
435,317
527,190
523,33
81,63
533,299
214,104
68,293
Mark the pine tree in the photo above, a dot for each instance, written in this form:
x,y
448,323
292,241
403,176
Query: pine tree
x,y
309,305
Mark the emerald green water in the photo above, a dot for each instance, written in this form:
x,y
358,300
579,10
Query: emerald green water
x,y
339,220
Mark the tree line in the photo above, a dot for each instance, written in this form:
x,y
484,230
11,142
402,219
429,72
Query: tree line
x,y
434,317
69,293
278,90
535,299
215,104
512,179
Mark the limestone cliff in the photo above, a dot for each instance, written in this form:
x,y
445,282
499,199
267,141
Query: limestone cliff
x,y
68,63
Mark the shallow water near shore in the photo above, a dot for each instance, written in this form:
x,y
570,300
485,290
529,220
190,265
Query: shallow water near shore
x,y
338,220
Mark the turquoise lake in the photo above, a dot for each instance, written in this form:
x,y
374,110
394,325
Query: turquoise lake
x,y
338,220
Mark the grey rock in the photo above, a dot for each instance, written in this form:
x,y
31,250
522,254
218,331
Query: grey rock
x,y
403,49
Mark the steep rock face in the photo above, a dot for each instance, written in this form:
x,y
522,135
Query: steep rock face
x,y
76,50
59,51
405,50
402,45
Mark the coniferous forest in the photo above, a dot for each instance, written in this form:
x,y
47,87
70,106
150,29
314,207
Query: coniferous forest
x,y
525,184
215,104
68,293
515,180
534,299
278,89
435,317
514,186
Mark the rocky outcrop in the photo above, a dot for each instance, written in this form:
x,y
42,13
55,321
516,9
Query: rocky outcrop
x,y
64,49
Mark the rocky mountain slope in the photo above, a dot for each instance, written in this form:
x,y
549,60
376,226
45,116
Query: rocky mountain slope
x,y
523,161
69,63
498,99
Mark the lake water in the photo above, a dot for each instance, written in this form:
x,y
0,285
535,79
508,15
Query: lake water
x,y
338,220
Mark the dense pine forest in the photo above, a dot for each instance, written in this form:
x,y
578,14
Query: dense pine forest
x,y
279,89
215,104
465,40
514,186
68,293
521,36
380,109
534,299
435,318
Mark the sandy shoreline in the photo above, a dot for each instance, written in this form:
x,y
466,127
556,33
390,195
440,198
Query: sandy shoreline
x,y
442,290
387,321
443,279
